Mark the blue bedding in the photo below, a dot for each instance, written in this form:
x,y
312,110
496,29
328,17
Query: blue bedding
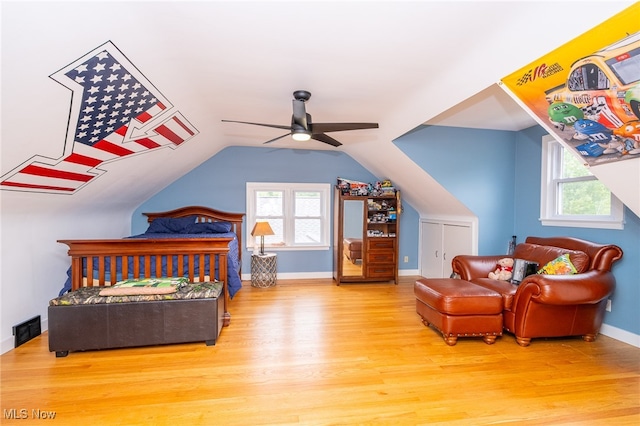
x,y
233,263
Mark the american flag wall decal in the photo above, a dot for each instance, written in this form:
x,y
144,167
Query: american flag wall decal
x,y
115,112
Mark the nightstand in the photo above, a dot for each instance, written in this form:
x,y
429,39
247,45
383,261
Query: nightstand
x,y
264,270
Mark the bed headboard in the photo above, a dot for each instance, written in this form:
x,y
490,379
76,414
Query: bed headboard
x,y
206,214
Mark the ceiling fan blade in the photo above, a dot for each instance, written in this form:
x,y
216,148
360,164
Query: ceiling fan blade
x,y
338,127
299,114
279,137
326,139
275,126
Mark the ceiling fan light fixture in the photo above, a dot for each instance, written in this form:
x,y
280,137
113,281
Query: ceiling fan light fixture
x,y
300,135
301,129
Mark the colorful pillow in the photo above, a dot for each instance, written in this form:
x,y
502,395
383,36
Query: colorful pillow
x,y
545,254
559,266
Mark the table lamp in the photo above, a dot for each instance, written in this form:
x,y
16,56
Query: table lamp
x,y
260,229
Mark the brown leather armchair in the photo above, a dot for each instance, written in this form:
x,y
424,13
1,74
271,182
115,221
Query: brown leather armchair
x,y
550,305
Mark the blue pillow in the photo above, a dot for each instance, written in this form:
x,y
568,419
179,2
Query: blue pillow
x,y
171,225
209,228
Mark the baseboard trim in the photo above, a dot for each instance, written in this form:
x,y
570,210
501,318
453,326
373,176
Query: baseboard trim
x,y
322,275
621,335
408,272
7,345
295,276
303,275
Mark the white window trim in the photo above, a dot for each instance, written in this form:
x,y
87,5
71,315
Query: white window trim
x,y
548,198
289,189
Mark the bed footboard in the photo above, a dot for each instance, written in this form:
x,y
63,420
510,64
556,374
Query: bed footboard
x,y
105,262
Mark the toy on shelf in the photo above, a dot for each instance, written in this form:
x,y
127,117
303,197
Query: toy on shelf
x,y
356,188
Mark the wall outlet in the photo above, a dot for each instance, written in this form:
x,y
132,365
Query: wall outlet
x,y
608,308
406,259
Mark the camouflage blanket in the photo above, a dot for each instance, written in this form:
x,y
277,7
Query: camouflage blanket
x,y
91,295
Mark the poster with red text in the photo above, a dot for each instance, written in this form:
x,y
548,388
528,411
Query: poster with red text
x,y
587,92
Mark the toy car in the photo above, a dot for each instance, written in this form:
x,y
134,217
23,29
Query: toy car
x,y
598,84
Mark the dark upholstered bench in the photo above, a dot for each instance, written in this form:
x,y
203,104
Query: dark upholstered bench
x,y
458,308
83,320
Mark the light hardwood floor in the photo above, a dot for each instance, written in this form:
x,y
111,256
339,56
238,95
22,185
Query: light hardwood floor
x,y
310,352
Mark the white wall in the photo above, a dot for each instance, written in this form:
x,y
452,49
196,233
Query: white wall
x,y
34,265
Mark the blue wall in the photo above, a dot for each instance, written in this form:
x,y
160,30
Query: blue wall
x,y
220,182
624,303
476,166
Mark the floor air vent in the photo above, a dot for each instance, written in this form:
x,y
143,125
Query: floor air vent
x,y
27,330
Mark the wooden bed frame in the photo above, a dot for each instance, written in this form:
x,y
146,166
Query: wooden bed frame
x,y
66,330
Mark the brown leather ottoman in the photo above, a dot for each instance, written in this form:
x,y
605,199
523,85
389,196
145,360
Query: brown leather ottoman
x,y
458,308
353,249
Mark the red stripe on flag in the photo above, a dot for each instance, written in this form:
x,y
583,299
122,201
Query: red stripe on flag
x,y
168,134
27,185
188,130
148,143
122,130
83,159
58,174
112,148
144,117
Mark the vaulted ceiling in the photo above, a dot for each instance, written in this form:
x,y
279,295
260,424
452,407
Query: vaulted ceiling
x,y
397,63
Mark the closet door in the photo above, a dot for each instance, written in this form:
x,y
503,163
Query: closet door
x,y
441,242
456,239
431,250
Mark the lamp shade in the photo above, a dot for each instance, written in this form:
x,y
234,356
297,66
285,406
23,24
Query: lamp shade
x,y
261,228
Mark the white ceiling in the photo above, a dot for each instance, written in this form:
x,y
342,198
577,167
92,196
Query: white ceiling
x,y
397,63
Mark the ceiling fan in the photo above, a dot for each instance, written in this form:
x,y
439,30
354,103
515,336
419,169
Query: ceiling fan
x,y
302,129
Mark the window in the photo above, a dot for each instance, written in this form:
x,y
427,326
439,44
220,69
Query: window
x,y
626,66
297,212
571,195
588,77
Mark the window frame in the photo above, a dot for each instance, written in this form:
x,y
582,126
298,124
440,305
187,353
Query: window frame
x,y
552,151
289,190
